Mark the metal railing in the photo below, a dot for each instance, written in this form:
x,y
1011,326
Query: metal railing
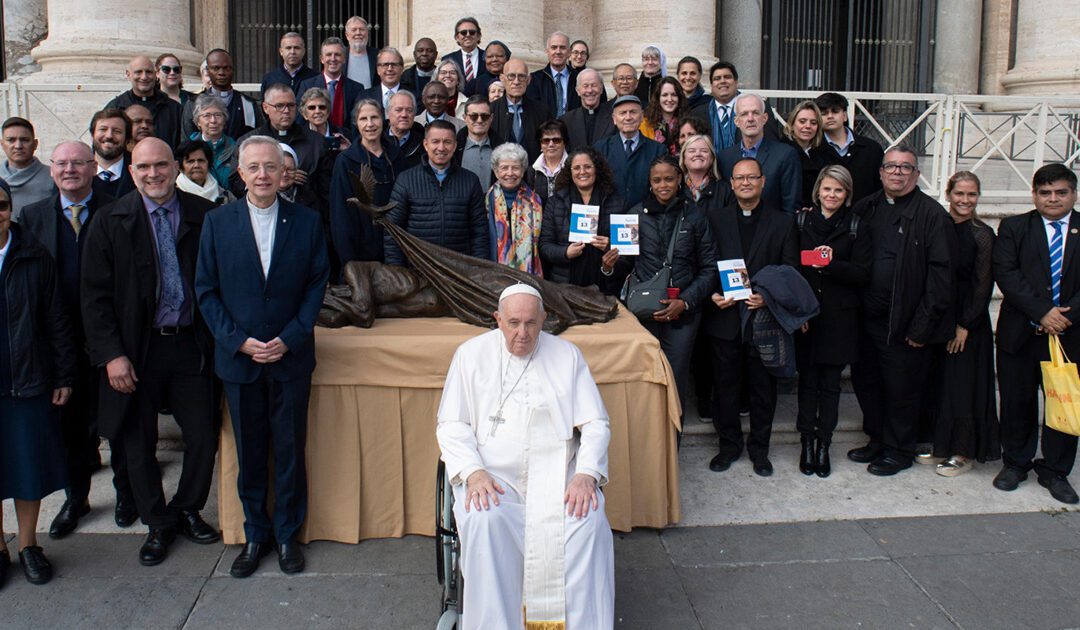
x,y
1003,139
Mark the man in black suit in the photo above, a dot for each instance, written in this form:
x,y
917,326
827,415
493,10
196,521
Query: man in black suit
x,y
110,130
262,270
907,308
592,122
860,155
420,73
1036,267
138,306
760,235
516,116
57,222
554,84
144,91
344,92
468,57
242,112
293,70
388,83
361,56
779,162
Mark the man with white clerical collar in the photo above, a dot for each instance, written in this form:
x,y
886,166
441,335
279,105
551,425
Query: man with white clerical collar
x,y
523,477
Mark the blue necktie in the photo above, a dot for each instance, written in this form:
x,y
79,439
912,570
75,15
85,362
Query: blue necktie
x,y
560,104
172,285
727,128
331,87
629,148
1057,248
105,176
517,123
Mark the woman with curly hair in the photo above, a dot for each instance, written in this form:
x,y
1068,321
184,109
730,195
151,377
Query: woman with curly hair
x,y
666,107
586,179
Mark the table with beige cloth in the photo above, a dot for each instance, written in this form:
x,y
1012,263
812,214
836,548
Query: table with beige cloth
x,y
371,450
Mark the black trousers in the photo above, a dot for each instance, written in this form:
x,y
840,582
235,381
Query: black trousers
x,y
899,386
1019,379
866,381
677,341
819,400
736,363
263,412
173,377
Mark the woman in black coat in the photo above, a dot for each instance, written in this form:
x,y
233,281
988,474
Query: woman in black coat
x,y
693,264
967,424
829,341
586,180
37,370
804,133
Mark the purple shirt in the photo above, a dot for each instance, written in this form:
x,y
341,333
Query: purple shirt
x,y
165,316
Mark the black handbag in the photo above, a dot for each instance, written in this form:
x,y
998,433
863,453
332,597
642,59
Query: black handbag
x,y
643,296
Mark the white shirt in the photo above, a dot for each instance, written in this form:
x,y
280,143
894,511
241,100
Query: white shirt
x,y
264,226
116,168
1064,231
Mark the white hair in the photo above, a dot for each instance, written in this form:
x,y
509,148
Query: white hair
x,y
252,141
509,151
744,95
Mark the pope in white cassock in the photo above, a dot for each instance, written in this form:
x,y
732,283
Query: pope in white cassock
x,y
524,435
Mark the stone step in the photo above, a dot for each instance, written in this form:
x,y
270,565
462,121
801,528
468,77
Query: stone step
x,y
849,429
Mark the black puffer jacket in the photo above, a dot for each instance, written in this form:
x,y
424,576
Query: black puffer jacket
x,y
555,238
450,213
693,266
40,339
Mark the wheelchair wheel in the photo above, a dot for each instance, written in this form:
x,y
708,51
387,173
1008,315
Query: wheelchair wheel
x,y
447,552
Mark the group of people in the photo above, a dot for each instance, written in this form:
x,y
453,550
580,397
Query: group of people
x,y
186,252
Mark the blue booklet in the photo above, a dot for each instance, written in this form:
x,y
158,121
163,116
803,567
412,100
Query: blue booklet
x,y
734,280
624,234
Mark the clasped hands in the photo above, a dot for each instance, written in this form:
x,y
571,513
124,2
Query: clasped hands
x,y
1055,322
264,351
482,492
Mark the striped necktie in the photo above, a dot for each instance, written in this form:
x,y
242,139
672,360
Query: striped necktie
x,y
1057,249
468,66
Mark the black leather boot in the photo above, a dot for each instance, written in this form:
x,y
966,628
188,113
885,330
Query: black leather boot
x,y
806,457
821,458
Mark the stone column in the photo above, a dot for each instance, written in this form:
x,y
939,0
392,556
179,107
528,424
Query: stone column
x,y
1047,49
956,50
996,19
95,39
621,28
521,25
740,40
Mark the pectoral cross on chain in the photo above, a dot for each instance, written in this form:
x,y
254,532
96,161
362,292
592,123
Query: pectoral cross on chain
x,y
495,421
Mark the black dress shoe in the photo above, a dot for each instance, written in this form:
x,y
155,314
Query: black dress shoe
x,y
865,454
156,547
248,560
721,462
126,513
806,456
886,466
35,566
1009,478
823,465
1060,489
68,518
195,529
290,557
5,562
763,467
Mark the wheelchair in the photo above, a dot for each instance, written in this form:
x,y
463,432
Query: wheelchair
x,y
447,552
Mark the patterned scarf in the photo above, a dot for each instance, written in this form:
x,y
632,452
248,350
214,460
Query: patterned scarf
x,y
517,228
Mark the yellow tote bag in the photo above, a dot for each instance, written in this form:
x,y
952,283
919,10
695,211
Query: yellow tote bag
x,y
1062,388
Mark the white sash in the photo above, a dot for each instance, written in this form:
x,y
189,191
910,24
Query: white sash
x,y
545,538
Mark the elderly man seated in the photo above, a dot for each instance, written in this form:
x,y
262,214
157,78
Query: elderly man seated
x,y
536,544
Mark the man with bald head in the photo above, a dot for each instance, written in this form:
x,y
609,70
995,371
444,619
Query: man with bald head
x,y
293,70
592,121
59,222
521,423
554,84
779,162
516,116
166,113
142,327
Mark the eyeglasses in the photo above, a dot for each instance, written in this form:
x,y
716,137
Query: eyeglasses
x,y
212,116
746,178
478,117
172,69
468,32
5,206
316,107
282,107
514,78
270,168
63,164
551,141
389,64
906,168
